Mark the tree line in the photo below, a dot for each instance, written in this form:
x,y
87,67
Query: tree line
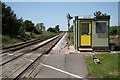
x,y
11,25
113,30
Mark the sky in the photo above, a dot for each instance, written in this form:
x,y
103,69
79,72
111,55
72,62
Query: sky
x,y
61,0
54,13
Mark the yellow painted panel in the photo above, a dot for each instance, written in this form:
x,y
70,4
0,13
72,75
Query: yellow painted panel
x,y
85,40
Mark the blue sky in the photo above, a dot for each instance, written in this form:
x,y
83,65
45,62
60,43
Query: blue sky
x,y
61,0
53,13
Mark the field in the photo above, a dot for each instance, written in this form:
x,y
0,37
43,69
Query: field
x,y
108,67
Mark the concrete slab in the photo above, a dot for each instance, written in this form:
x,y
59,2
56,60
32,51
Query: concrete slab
x,y
63,66
72,49
85,49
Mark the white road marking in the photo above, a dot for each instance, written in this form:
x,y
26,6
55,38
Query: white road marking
x,y
61,71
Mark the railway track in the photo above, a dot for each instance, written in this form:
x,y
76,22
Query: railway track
x,y
10,55
27,64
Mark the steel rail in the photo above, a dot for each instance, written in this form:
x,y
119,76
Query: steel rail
x,y
28,51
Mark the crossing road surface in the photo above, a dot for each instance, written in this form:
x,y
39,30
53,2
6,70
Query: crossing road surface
x,y
63,66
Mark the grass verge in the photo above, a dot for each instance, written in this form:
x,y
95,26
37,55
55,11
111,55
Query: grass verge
x,y
44,34
107,69
8,41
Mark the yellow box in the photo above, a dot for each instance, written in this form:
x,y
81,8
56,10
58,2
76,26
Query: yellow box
x,y
85,40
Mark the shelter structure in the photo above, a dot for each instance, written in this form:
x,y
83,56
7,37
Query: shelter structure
x,y
91,32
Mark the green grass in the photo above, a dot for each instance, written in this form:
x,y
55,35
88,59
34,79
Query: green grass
x,y
44,34
7,41
107,69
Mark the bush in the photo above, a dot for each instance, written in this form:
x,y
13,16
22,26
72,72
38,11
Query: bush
x,y
7,41
113,30
52,30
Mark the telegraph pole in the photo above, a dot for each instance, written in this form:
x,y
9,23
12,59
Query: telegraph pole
x,y
69,18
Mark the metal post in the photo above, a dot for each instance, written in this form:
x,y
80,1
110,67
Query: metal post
x,y
69,18
68,33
